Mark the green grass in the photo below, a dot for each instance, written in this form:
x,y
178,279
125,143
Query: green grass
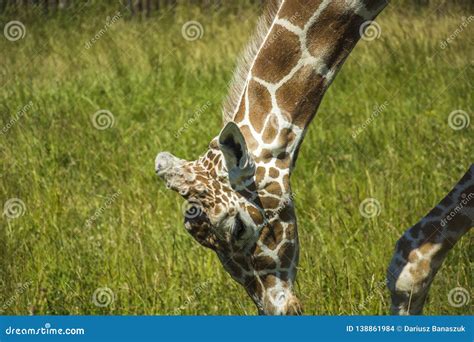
x,y
153,80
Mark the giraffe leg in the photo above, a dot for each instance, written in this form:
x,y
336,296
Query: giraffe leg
x,y
420,252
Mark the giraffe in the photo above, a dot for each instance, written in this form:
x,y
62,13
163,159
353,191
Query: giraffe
x,y
422,249
239,198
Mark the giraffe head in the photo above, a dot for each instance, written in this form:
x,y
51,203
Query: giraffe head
x,y
241,211
239,196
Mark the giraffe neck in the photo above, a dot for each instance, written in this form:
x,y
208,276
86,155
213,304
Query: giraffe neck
x,y
452,217
423,248
303,50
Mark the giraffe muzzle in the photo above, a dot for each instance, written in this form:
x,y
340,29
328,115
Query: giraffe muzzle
x,y
170,169
164,163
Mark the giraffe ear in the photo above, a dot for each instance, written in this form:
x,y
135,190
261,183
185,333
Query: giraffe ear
x,y
239,162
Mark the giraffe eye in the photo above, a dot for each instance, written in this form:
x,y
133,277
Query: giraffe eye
x,y
238,228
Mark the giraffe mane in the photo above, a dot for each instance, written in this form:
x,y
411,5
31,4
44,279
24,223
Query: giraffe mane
x,y
245,61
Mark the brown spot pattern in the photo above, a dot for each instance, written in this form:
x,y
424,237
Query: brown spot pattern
x,y
260,104
273,61
299,12
300,95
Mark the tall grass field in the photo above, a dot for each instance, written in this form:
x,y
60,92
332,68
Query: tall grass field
x,y
88,97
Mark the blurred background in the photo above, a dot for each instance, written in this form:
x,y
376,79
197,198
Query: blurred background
x,y
90,91
149,7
